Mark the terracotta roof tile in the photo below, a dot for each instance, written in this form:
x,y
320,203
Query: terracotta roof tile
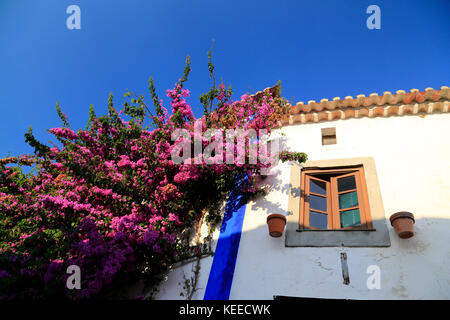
x,y
388,104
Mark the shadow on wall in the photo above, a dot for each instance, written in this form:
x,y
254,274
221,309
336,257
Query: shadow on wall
x,y
270,183
273,183
414,268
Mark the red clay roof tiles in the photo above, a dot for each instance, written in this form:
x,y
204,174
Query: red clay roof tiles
x,y
388,104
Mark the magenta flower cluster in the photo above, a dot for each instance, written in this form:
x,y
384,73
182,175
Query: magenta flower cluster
x,y
111,200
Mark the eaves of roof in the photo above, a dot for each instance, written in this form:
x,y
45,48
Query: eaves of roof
x,y
387,104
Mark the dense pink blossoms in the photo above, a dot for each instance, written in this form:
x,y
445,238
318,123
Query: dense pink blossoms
x,y
112,201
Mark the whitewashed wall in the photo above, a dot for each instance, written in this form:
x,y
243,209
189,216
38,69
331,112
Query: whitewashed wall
x,y
412,158
172,286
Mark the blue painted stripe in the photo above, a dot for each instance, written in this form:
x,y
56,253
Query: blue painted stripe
x,y
222,269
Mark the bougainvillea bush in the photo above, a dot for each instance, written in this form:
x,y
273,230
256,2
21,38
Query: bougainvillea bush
x,y
111,200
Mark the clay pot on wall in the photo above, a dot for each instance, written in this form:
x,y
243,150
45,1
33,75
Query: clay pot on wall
x,y
403,223
276,223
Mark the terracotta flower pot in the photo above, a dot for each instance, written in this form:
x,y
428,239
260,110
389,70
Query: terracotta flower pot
x,y
276,223
403,223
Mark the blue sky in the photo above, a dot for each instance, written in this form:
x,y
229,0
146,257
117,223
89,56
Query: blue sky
x,y
318,49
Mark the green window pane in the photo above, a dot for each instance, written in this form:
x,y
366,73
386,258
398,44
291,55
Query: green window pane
x,y
348,200
317,186
318,220
318,203
350,218
346,183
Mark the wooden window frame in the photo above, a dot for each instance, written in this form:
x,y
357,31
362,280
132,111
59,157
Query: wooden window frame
x,y
332,194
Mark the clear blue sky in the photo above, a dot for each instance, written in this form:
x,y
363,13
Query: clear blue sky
x,y
318,49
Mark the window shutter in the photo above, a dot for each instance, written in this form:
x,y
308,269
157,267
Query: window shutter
x,y
348,201
317,203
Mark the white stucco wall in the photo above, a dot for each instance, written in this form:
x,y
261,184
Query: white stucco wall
x,y
172,286
412,158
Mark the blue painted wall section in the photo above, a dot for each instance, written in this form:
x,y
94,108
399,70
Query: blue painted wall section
x,y
222,269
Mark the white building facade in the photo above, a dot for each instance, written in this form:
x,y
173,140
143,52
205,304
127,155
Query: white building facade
x,y
401,142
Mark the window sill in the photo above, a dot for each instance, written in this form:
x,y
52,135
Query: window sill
x,y
338,230
378,237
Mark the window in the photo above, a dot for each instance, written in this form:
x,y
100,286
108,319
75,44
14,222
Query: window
x,y
328,136
334,199
335,203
